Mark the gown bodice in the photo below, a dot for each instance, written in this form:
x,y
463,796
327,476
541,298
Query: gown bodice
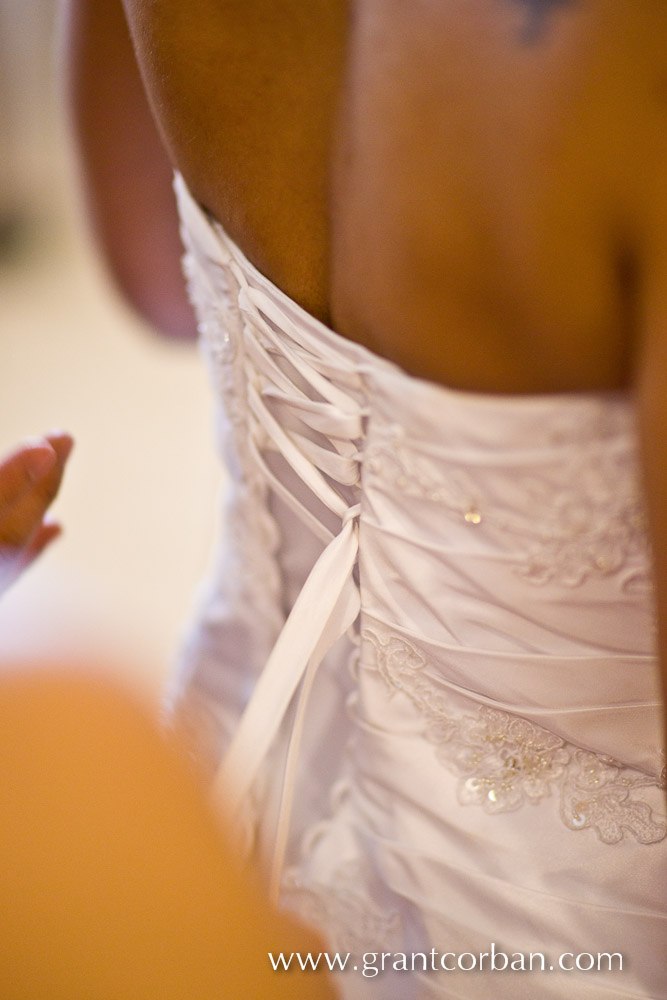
x,y
425,660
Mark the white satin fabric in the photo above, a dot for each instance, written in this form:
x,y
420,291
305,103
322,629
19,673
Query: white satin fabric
x,y
425,662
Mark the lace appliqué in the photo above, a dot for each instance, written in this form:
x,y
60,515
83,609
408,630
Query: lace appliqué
x,y
503,761
598,793
591,529
594,527
341,910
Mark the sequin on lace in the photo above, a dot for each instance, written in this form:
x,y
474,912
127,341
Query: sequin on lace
x,y
503,761
598,793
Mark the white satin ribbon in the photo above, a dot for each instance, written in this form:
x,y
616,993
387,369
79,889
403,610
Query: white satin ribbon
x,y
326,607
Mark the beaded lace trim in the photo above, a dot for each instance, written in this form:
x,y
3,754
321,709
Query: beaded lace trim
x,y
503,761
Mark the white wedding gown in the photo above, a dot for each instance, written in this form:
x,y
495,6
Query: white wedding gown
x,y
455,741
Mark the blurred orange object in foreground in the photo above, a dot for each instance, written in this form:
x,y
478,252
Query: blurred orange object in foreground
x,y
115,879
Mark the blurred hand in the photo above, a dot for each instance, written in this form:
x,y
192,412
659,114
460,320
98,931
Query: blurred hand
x,y
30,477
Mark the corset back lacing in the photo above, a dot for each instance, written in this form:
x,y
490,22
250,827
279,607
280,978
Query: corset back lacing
x,y
329,602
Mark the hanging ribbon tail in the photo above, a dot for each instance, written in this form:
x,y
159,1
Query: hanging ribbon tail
x,y
325,608
342,616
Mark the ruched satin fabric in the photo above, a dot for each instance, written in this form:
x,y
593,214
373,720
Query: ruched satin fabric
x,y
424,666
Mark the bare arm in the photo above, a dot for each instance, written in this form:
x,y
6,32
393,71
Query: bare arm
x,y
125,170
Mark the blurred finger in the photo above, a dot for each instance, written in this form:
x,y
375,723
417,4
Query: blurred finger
x,y
24,467
46,488
49,485
62,443
21,516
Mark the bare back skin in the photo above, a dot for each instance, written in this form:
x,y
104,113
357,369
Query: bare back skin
x,y
479,171
474,189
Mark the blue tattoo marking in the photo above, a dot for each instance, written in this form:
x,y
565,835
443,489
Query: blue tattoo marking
x,y
538,12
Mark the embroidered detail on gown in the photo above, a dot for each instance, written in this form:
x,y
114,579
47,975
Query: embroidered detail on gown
x,y
504,762
425,661
592,523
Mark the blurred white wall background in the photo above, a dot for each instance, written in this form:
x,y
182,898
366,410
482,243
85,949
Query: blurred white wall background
x,y
140,497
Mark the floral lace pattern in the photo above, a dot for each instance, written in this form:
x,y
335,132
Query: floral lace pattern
x,y
594,527
503,761
597,793
341,910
